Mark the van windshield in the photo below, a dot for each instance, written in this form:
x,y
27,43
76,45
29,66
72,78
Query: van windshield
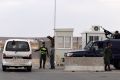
x,y
17,46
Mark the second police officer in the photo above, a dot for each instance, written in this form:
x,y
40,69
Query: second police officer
x,y
43,54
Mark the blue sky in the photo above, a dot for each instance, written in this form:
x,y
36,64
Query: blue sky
x,y
35,18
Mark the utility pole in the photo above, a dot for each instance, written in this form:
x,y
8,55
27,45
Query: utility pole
x,y
54,14
54,21
86,38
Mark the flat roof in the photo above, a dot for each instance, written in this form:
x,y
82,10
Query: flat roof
x,y
64,29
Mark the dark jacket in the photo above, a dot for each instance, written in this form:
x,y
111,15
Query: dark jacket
x,y
116,36
107,54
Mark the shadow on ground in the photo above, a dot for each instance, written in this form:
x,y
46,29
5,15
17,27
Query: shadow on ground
x,y
16,70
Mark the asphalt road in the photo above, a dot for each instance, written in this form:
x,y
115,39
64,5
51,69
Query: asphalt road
x,y
58,74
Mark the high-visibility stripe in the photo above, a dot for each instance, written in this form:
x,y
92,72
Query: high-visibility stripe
x,y
43,50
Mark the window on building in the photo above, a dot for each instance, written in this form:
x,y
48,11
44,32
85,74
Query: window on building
x,y
90,38
93,38
60,41
67,42
64,42
96,38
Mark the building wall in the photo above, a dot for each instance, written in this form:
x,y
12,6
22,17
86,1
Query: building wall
x,y
61,43
77,43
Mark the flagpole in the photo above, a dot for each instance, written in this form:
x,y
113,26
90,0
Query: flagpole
x,y
54,20
54,15
54,31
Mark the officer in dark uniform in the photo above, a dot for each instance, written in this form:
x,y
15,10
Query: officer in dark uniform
x,y
116,35
43,53
107,56
52,54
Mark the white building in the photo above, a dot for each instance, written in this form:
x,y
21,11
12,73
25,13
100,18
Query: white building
x,y
94,34
63,43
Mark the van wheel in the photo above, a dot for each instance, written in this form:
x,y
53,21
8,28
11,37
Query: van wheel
x,y
4,68
29,68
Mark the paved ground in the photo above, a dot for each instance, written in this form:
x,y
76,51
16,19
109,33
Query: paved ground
x,y
57,74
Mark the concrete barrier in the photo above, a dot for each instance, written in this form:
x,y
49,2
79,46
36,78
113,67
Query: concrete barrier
x,y
84,64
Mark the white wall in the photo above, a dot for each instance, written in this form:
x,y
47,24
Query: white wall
x,y
59,52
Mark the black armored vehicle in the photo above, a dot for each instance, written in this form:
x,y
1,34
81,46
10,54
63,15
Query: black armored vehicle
x,y
96,48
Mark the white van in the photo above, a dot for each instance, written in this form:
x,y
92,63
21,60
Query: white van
x,y
17,53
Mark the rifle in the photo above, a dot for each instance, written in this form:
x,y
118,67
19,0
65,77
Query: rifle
x,y
107,33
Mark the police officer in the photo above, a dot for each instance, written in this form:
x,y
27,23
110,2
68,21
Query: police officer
x,y
43,53
52,54
107,56
116,35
